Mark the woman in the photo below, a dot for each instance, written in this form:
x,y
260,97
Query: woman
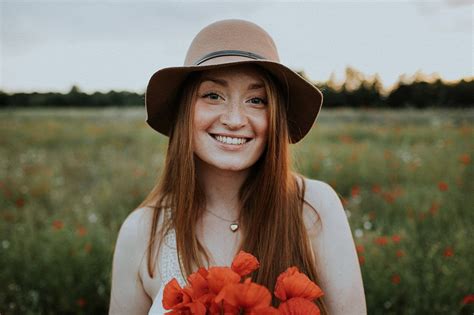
x,y
231,112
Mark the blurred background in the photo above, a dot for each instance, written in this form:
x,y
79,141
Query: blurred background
x,y
394,138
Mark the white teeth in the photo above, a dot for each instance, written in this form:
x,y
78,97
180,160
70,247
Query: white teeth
x,y
229,140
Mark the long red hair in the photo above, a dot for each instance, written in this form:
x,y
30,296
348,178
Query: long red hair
x,y
271,197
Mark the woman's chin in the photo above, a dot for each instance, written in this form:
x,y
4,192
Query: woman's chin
x,y
230,166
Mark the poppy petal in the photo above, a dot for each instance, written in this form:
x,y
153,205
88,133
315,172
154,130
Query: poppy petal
x,y
218,277
244,263
298,306
292,283
174,296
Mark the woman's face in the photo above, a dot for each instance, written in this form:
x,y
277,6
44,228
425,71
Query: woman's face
x,y
230,118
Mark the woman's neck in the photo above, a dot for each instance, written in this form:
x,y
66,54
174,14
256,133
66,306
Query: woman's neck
x,y
221,188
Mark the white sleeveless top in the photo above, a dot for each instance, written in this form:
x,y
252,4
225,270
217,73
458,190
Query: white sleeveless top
x,y
168,265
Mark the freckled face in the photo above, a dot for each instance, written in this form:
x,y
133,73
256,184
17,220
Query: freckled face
x,y
230,118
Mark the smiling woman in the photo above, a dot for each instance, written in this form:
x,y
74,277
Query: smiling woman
x,y
231,113
230,118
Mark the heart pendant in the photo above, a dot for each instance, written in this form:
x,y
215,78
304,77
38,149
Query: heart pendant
x,y
234,227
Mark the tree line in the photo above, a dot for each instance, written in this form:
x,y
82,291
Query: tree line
x,y
357,90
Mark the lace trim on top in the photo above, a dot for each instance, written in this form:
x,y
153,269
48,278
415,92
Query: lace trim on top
x,y
169,262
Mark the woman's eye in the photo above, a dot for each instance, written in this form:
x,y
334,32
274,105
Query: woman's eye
x,y
258,100
212,96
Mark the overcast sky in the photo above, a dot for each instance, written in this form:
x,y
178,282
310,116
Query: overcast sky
x,y
103,45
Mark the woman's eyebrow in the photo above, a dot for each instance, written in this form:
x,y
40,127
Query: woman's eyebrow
x,y
217,81
255,86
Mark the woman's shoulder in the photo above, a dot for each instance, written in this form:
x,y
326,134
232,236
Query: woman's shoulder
x,y
322,203
135,228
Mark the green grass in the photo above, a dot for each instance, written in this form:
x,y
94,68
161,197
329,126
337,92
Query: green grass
x,y
68,178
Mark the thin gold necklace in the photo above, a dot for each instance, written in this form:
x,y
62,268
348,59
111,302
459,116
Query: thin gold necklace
x,y
234,224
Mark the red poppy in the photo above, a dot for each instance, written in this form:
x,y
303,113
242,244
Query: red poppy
x,y
81,231
88,247
468,299
81,302
448,252
396,279
20,202
360,248
198,285
293,283
355,191
381,240
244,263
400,253
396,238
389,197
218,277
173,295
248,296
58,224
434,208
298,306
442,186
465,159
376,189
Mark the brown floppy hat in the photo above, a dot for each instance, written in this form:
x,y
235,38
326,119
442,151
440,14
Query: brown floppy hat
x,y
225,43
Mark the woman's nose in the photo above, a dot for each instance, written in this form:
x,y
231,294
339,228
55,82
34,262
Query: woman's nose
x,y
234,117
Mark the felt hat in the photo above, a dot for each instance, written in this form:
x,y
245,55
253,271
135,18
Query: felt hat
x,y
232,42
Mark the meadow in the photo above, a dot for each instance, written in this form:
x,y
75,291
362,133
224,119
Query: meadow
x,y
69,177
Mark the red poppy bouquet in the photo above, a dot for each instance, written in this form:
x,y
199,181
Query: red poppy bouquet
x,y
222,290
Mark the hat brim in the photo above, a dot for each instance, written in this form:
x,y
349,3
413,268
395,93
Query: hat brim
x,y
305,99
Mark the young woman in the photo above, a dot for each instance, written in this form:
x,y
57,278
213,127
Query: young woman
x,y
231,113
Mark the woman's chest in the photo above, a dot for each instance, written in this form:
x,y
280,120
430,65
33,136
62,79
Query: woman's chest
x,y
219,241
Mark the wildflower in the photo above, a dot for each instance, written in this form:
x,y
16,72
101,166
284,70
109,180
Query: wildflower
x,y
389,197
395,279
58,225
442,186
296,306
355,191
376,189
448,252
381,240
20,202
88,247
468,299
293,283
81,231
400,253
465,159
81,302
251,297
434,208
244,263
360,248
174,296
396,238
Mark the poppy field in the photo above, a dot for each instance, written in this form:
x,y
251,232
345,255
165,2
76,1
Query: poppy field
x,y
69,177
